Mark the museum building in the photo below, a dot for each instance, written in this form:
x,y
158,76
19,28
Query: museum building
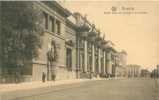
x,y
72,48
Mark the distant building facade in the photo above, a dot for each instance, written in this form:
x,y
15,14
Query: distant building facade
x,y
145,73
72,48
110,59
133,70
121,64
155,72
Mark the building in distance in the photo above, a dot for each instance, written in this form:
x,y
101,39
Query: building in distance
x,y
133,70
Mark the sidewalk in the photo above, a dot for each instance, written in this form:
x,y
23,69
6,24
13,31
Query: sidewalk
x,y
34,89
39,84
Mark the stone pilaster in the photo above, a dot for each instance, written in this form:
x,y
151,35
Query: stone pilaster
x,y
77,59
109,63
93,59
104,62
48,21
99,61
85,56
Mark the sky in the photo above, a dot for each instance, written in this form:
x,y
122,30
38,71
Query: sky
x,y
137,34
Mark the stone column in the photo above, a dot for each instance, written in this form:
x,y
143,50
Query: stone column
x,y
50,24
109,63
99,61
48,21
93,59
104,62
77,58
85,55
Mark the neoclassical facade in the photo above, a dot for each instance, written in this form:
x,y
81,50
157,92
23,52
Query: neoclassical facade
x,y
91,54
57,58
81,49
121,70
72,48
133,70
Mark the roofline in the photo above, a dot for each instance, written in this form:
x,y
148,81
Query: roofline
x,y
57,5
67,12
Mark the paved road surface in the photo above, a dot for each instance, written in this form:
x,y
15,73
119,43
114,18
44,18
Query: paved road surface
x,y
130,89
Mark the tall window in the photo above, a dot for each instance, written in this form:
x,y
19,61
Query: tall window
x,y
102,64
52,24
69,58
106,67
89,62
58,26
46,20
96,59
52,28
81,61
96,64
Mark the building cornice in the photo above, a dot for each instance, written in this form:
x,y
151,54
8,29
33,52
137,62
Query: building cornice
x,y
51,12
58,8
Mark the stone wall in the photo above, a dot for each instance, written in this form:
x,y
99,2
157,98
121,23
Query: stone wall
x,y
40,64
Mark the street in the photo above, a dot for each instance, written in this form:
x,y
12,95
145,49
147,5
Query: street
x,y
120,89
108,90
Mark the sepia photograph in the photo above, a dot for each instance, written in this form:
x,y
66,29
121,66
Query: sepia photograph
x,y
79,50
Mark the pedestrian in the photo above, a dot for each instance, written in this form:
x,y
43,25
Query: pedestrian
x,y
43,77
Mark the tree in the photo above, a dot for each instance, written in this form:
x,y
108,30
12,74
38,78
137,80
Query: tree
x,y
22,30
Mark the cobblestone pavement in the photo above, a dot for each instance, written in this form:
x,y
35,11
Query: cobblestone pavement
x,y
125,89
